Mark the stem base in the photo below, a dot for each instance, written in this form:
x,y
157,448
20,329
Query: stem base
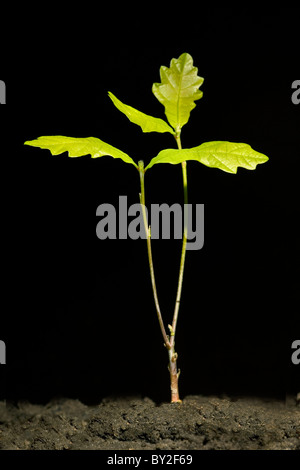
x,y
174,376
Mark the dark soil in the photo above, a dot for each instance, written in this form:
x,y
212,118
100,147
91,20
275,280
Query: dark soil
x,y
136,423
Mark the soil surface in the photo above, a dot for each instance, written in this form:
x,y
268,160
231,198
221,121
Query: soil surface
x,y
136,423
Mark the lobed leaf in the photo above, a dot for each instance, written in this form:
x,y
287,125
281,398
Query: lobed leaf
x,y
178,90
226,156
77,147
146,122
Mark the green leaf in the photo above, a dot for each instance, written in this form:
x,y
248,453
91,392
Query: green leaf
x,y
146,122
178,90
226,156
78,147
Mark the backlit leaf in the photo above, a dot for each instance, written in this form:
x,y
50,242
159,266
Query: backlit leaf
x,y
226,156
178,90
78,147
146,122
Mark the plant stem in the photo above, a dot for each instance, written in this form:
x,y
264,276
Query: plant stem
x,y
184,241
148,237
173,356
168,340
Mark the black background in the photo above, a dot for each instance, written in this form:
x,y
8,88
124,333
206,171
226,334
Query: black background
x,y
77,314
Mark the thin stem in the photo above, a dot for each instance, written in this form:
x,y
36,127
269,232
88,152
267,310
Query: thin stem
x,y
184,242
148,236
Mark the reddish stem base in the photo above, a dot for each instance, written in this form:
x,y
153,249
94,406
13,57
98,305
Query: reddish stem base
x,y
174,376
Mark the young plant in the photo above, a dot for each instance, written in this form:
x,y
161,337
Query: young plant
x,y
177,92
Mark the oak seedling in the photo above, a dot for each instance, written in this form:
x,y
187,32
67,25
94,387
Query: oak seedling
x,y
177,92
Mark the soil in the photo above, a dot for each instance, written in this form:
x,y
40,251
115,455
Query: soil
x,y
136,423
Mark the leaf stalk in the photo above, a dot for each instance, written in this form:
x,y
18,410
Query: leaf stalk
x,y
149,250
